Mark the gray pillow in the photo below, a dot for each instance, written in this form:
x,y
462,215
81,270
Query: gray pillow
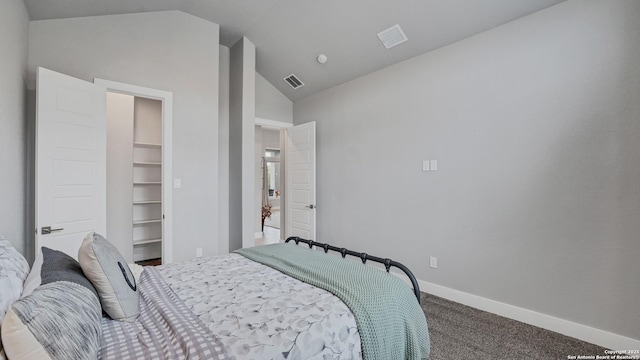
x,y
108,272
51,266
60,319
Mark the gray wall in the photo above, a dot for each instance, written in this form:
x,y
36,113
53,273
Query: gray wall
x,y
14,36
223,151
120,117
242,90
535,126
170,51
271,104
270,139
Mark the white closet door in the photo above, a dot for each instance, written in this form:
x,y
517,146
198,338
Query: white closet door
x,y
70,161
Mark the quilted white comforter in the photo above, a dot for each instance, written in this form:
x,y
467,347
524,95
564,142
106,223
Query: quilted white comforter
x,y
260,313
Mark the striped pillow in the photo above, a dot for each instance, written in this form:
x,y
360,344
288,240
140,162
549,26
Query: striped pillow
x,y
60,319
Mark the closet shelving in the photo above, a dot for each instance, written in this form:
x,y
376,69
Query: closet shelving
x,y
147,195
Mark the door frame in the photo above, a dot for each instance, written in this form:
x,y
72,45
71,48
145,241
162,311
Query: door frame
x,y
166,98
279,125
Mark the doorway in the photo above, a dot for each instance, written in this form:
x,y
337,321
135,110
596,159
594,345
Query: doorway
x,y
70,161
270,140
272,189
139,172
269,187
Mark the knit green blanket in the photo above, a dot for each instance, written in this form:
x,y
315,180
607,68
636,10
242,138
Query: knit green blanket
x,y
390,321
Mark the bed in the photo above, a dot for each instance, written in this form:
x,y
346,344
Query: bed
x,y
283,301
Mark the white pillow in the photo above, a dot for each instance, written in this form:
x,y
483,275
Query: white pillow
x,y
107,270
13,270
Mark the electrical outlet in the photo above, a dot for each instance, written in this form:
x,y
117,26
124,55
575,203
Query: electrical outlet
x,y
199,252
433,262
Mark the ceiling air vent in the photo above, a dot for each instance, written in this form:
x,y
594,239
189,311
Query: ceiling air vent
x,y
392,36
294,81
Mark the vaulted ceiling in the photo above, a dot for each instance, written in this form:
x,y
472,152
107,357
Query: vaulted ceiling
x,y
289,34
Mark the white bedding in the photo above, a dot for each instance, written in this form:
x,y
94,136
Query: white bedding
x,y
260,313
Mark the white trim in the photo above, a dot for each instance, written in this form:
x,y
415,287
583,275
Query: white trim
x,y
569,328
273,123
167,152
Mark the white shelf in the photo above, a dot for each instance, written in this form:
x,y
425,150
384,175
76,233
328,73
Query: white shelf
x,y
141,144
144,242
145,163
147,185
142,222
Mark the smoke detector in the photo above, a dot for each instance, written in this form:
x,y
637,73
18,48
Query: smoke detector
x,y
293,81
392,36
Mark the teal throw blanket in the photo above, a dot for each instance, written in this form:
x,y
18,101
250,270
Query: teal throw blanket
x,y
390,321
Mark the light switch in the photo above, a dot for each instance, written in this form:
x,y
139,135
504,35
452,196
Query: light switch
x,y
177,183
433,165
425,165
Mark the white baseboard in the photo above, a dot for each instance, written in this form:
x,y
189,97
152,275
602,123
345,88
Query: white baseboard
x,y
258,235
595,336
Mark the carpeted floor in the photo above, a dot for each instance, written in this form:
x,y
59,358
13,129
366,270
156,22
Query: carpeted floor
x,y
461,332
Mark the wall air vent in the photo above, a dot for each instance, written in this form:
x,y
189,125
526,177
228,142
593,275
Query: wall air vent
x,y
392,36
294,81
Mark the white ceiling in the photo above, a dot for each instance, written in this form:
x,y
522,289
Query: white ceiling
x,y
289,34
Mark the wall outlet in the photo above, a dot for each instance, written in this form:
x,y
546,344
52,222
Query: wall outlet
x,y
177,183
433,262
199,252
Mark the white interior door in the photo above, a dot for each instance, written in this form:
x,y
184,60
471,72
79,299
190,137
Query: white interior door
x,y
300,160
70,161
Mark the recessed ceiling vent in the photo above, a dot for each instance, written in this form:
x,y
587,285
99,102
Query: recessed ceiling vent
x,y
294,81
392,36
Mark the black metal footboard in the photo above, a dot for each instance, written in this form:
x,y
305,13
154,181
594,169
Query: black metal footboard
x,y
388,263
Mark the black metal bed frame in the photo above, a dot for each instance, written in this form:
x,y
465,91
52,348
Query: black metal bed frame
x,y
388,263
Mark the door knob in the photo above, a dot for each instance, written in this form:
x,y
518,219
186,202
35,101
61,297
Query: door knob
x,y
48,230
310,206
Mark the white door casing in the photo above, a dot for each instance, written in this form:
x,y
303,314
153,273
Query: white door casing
x,y
71,135
167,153
300,159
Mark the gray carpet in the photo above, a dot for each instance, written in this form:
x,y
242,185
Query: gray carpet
x,y
461,332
